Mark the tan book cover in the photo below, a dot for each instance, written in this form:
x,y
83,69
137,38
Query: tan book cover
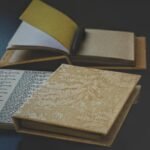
x,y
140,54
15,87
79,102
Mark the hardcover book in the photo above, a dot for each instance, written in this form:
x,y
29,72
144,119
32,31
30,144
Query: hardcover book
x,y
79,104
16,86
46,34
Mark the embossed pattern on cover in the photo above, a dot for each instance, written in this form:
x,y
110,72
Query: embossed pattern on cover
x,y
80,98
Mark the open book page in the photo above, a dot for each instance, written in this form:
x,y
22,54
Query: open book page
x,y
27,35
8,80
51,21
21,55
15,87
108,44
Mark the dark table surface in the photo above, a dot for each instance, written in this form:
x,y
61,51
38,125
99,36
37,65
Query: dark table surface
x,y
105,14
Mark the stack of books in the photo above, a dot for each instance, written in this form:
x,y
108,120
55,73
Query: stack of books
x,y
46,38
77,102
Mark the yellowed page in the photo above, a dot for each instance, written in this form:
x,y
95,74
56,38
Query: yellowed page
x,y
108,44
51,21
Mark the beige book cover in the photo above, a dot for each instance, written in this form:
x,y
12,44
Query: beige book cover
x,y
77,101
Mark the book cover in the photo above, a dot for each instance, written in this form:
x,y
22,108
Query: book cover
x,y
77,101
47,31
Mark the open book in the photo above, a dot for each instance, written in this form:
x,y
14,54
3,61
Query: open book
x,y
79,104
47,34
16,86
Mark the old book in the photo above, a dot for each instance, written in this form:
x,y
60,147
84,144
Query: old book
x,y
16,86
79,104
47,33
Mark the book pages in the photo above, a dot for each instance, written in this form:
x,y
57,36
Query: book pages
x,y
8,81
27,35
80,98
108,44
16,86
50,21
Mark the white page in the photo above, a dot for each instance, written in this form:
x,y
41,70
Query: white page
x,y
28,35
8,81
16,86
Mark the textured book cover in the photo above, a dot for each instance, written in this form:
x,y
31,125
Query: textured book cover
x,y
78,101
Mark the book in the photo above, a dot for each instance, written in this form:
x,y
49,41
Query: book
x,y
79,104
46,34
15,87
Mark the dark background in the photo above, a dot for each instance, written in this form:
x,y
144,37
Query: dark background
x,y
105,14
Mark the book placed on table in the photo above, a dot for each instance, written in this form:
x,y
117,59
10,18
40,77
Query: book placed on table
x,y
16,86
46,35
79,104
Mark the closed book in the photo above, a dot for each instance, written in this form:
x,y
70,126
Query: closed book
x,y
79,104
